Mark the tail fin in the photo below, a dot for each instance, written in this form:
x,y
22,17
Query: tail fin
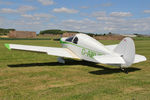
x,y
126,49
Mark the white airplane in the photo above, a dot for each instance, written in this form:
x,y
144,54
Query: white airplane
x,y
84,47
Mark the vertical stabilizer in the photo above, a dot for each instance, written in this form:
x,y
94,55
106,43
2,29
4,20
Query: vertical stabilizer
x,y
126,49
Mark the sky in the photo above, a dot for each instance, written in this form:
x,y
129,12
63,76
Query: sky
x,y
94,16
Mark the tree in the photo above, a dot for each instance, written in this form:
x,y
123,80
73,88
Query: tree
x,y
109,33
5,31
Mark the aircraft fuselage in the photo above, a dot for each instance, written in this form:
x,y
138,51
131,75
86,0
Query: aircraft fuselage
x,y
85,47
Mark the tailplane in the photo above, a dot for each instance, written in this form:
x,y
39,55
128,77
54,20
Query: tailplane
x,y
126,51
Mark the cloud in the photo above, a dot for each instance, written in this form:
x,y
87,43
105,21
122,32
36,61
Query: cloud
x,y
2,19
98,14
97,6
121,14
147,11
27,16
5,3
65,10
25,24
97,22
21,9
46,2
8,10
84,7
110,19
122,25
106,4
107,24
39,16
2,22
44,15
25,8
104,25
85,25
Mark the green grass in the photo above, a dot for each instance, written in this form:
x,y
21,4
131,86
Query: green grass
x,y
37,76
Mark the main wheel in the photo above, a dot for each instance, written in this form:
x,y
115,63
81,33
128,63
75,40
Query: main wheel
x,y
61,60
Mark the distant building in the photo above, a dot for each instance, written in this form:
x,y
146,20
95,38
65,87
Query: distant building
x,y
109,37
22,34
129,35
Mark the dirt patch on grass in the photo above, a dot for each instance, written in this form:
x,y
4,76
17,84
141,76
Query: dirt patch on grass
x,y
42,87
133,89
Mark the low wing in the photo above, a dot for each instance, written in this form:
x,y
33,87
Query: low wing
x,y
109,59
139,58
111,47
62,52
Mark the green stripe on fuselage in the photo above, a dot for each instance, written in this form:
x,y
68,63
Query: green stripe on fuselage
x,y
90,53
65,42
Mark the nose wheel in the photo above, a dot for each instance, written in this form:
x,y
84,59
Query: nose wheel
x,y
61,60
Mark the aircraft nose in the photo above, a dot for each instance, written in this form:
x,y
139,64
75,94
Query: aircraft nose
x,y
62,40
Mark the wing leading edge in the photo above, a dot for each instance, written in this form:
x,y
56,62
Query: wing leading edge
x,y
62,52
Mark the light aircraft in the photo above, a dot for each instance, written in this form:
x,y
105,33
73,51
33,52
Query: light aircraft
x,y
84,47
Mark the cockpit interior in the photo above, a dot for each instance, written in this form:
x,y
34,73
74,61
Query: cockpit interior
x,y
73,39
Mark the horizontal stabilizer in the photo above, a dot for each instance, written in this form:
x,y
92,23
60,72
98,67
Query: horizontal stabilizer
x,y
139,58
109,59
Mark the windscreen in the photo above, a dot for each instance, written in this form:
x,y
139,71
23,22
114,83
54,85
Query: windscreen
x,y
75,40
69,39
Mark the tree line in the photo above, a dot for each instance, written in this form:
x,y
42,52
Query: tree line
x,y
5,31
56,31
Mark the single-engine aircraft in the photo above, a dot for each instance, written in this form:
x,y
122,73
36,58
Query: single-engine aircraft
x,y
84,47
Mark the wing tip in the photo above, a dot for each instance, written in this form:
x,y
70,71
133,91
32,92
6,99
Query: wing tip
x,y
139,58
7,46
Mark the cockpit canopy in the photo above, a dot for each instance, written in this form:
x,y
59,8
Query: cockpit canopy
x,y
69,39
73,39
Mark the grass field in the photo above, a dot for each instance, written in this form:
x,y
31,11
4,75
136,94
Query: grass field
x,y
36,76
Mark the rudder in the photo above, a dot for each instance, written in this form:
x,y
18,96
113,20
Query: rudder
x,y
126,49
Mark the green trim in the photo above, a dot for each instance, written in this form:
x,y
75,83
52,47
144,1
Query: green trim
x,y
65,42
7,46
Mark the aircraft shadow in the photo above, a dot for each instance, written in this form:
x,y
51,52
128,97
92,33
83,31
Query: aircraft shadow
x,y
103,69
112,70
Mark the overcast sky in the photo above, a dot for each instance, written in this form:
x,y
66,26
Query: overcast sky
x,y
98,16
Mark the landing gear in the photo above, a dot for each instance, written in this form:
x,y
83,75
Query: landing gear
x,y
61,60
124,70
